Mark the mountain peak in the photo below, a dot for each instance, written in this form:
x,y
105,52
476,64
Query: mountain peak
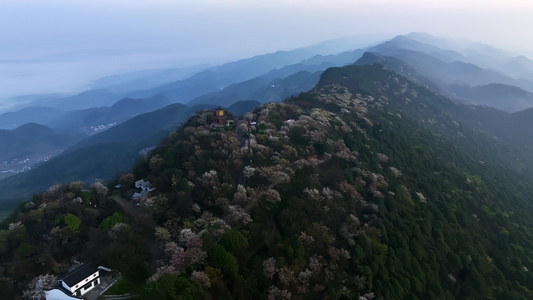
x,y
32,128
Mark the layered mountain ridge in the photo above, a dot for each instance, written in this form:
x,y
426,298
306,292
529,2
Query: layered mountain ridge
x,y
119,133
371,185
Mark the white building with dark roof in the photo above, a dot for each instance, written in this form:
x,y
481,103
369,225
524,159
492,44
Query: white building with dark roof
x,y
82,279
144,185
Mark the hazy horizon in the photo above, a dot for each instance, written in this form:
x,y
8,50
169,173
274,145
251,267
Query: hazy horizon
x,y
60,46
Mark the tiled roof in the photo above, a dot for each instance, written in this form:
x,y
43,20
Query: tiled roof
x,y
80,273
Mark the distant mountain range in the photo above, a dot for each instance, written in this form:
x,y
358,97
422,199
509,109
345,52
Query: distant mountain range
x,y
445,62
471,66
85,120
96,121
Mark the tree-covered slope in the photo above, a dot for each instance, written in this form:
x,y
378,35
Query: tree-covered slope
x,y
365,187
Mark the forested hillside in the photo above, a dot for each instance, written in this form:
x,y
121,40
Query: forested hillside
x,y
367,186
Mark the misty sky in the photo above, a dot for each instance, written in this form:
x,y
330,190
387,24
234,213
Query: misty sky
x,y
57,45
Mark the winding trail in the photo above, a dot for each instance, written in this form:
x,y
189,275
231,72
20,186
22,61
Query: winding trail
x,y
126,205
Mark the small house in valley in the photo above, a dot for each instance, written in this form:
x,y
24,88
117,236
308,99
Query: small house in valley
x,y
137,197
81,280
144,185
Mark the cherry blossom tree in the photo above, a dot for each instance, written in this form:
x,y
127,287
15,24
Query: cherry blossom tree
x,y
35,290
100,188
286,276
178,259
271,196
237,214
304,276
275,293
202,278
269,267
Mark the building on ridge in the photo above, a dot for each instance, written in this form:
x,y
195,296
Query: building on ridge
x,y
220,115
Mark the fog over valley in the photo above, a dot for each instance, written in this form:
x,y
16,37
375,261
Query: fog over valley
x,y
71,73
59,46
